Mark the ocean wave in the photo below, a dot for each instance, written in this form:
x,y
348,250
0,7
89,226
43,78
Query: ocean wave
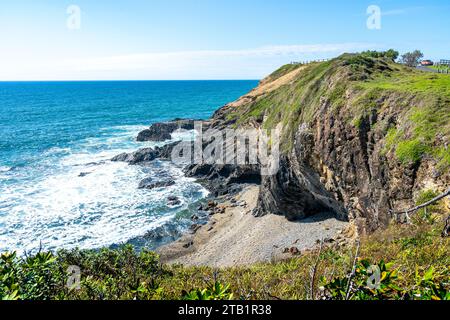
x,y
5,172
57,151
5,168
183,135
127,128
79,204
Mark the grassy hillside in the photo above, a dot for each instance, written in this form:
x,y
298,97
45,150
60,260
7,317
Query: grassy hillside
x,y
353,86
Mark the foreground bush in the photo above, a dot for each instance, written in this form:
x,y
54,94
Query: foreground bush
x,y
418,268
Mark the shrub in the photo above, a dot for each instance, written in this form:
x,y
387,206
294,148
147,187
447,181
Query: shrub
x,y
33,278
428,288
363,286
367,285
217,291
391,54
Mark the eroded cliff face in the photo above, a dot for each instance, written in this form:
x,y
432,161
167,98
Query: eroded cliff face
x,y
297,190
339,144
355,167
361,137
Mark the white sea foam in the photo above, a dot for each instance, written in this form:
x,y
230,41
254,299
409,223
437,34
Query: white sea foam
x,y
4,172
5,169
183,135
87,201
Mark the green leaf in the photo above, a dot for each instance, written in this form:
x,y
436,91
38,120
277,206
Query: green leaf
x,y
429,275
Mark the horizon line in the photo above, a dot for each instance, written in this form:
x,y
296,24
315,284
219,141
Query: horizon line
x,y
129,80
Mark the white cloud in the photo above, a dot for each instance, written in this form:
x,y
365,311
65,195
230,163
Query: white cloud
x,y
397,12
207,64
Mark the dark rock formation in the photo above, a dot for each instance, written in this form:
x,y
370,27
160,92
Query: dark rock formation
x,y
165,152
146,154
142,155
188,244
162,131
84,174
173,201
296,191
167,232
225,179
194,228
149,183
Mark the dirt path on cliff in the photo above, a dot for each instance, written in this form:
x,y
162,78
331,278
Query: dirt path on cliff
x,y
236,237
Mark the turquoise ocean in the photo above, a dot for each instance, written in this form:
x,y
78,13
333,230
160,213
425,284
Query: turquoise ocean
x,y
58,187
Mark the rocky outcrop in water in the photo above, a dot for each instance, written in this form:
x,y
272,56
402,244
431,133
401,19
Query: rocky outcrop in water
x,y
142,155
146,154
150,183
162,131
173,201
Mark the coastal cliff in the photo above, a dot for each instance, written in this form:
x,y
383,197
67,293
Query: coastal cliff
x,y
361,137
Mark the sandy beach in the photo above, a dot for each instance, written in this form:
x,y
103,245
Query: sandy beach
x,y
235,237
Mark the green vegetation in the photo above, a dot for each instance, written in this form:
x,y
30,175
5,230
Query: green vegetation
x,y
422,130
439,67
410,151
106,274
291,104
284,70
364,287
418,137
417,267
412,81
390,54
33,278
354,87
216,291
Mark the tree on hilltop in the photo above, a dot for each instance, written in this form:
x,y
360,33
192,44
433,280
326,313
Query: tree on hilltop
x,y
412,59
392,54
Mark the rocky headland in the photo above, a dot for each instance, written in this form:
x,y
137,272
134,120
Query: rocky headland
x,y
361,139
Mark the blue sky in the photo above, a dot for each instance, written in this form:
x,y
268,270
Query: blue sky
x,y
204,39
